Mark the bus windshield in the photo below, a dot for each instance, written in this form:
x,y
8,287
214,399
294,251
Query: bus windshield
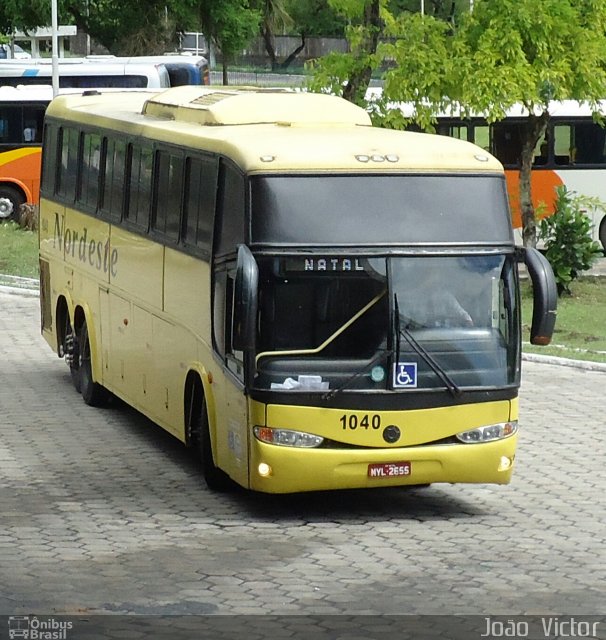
x,y
332,322
338,210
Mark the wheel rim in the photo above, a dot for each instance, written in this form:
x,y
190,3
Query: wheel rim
x,y
6,207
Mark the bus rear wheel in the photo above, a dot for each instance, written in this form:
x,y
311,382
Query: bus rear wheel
x,y
93,393
72,356
10,202
215,478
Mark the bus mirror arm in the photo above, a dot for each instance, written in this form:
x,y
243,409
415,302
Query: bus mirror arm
x,y
245,301
545,296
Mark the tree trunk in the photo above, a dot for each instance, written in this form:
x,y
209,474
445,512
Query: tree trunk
x,y
268,40
224,69
358,82
534,130
286,63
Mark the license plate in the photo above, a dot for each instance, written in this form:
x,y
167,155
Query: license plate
x,y
389,469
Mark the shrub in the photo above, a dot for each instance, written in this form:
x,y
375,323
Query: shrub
x,y
567,236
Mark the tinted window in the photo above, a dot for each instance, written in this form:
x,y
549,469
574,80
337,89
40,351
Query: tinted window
x,y
371,209
199,206
49,163
113,178
169,186
21,123
140,178
230,209
68,168
91,157
579,143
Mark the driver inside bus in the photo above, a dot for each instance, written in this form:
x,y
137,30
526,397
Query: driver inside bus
x,y
424,297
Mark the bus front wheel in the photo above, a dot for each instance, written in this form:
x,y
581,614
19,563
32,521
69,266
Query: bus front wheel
x,y
603,234
93,393
10,202
216,479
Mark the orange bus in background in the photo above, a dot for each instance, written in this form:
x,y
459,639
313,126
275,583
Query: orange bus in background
x,y
21,119
571,153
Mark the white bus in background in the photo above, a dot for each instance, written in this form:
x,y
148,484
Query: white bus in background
x,y
81,73
182,68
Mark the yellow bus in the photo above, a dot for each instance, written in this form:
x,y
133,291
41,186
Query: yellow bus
x,y
310,302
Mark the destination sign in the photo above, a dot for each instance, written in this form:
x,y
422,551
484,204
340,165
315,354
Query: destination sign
x,y
322,264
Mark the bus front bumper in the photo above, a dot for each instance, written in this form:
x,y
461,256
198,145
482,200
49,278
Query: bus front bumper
x,y
279,469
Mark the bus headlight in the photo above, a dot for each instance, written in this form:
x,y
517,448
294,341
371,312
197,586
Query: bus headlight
x,y
287,437
489,432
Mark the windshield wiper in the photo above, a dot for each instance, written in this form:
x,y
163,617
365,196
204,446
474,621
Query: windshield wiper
x,y
404,332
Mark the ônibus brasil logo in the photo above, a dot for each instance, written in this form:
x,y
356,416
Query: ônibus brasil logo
x,y
34,628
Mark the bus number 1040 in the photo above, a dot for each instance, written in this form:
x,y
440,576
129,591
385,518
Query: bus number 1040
x,y
354,421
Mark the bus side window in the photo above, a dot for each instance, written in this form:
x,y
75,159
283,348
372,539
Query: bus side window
x,y
49,164
68,168
229,233
33,122
563,145
231,210
481,136
541,151
89,176
113,171
139,186
588,143
11,123
454,130
199,203
167,200
507,142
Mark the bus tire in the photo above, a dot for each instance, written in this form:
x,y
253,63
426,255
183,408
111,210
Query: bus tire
x,y
73,356
602,235
215,478
11,200
93,393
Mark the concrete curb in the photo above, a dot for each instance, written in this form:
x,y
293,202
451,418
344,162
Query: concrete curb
x,y
28,287
26,293
565,362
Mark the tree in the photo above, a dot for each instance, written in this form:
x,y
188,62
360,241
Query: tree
x,y
526,52
349,74
230,24
316,18
504,53
120,26
275,17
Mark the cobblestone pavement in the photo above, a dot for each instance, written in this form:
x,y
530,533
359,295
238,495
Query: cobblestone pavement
x,y
103,512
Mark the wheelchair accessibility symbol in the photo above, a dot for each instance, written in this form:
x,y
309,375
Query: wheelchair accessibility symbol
x,y
405,374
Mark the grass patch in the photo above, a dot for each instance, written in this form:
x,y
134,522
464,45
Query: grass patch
x,y
580,330
18,251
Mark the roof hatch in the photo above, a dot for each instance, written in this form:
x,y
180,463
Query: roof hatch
x,y
229,106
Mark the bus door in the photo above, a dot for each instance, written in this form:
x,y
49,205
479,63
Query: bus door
x,y
231,410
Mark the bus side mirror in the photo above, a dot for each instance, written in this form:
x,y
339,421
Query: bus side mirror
x,y
245,300
545,296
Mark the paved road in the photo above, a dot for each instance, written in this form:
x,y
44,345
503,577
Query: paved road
x,y
102,512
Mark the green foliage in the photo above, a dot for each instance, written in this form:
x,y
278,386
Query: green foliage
x,y
580,331
348,74
568,237
315,18
19,254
